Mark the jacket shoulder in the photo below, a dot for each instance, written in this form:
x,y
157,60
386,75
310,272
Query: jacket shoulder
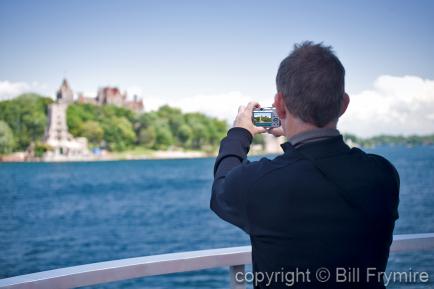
x,y
255,170
386,165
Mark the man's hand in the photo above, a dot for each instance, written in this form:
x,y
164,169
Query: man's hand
x,y
244,118
276,131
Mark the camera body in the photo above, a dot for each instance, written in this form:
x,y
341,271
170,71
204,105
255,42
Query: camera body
x,y
265,117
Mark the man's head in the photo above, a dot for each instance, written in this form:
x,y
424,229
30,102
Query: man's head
x,y
311,84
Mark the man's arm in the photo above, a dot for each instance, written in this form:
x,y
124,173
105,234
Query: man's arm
x,y
393,200
230,182
228,188
233,150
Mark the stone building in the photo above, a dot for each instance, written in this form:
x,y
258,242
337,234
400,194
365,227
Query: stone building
x,y
63,145
135,105
113,96
84,99
65,93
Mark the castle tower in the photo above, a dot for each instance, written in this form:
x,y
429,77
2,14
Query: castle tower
x,y
57,136
65,93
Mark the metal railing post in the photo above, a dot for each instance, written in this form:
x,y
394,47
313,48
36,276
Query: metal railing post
x,y
236,275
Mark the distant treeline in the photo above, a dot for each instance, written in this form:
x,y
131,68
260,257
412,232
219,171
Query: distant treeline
x,y
119,129
23,120
411,140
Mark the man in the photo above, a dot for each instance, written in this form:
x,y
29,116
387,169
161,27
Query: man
x,y
321,212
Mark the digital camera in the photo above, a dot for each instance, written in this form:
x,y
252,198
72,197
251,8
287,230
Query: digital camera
x,y
265,117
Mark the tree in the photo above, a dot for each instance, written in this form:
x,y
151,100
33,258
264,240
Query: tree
x,y
147,119
185,135
92,131
147,136
168,112
200,135
221,128
6,138
26,115
174,119
77,114
119,133
114,125
164,137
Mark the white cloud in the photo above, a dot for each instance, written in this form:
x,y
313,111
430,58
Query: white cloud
x,y
395,105
10,89
223,105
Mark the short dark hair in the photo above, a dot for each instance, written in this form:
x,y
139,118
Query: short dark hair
x,y
312,81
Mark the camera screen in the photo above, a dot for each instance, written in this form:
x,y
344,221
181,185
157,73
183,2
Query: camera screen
x,y
261,117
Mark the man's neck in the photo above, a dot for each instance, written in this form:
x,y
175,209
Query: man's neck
x,y
295,127
305,127
298,132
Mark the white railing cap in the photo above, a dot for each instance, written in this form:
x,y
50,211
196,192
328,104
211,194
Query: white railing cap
x,y
117,270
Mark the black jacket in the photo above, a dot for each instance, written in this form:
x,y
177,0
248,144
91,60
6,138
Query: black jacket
x,y
322,205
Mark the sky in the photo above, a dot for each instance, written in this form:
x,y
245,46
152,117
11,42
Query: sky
x,y
213,56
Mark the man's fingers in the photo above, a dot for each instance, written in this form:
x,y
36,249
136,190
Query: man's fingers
x,y
276,131
252,105
273,131
260,129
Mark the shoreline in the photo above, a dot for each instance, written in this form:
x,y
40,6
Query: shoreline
x,y
121,156
20,157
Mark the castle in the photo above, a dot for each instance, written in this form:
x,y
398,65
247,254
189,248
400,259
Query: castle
x,y
113,96
63,145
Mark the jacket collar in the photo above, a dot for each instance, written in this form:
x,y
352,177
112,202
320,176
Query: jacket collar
x,y
319,149
312,136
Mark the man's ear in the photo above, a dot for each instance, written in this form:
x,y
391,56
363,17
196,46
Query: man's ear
x,y
279,104
345,103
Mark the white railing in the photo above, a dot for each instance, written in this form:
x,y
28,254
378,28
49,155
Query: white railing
x,y
235,258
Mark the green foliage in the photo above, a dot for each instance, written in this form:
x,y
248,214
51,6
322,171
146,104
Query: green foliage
x,y
111,124
146,130
205,131
390,140
185,135
164,137
93,131
40,149
119,133
169,127
147,136
26,115
6,138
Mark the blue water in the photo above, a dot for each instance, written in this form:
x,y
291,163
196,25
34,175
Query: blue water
x,y
55,215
